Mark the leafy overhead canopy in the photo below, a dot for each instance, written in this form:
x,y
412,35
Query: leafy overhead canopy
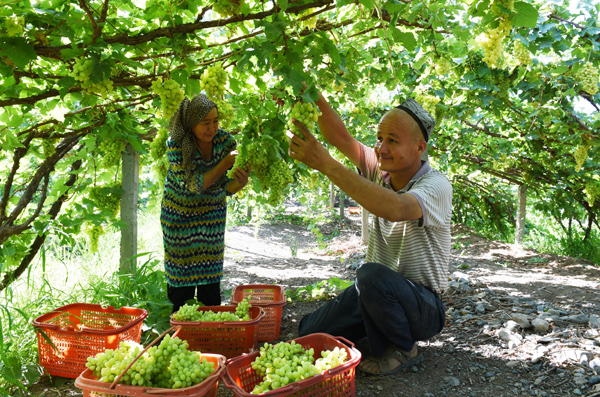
x,y
513,86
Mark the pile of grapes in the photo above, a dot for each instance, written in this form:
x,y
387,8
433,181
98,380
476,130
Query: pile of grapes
x,y
171,95
268,166
213,81
587,75
191,313
580,155
82,70
107,197
111,150
288,362
170,365
307,113
521,53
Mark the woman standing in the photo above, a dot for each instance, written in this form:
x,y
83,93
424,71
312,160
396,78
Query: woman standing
x,y
194,206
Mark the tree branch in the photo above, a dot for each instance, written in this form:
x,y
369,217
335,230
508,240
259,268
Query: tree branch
x,y
17,156
9,277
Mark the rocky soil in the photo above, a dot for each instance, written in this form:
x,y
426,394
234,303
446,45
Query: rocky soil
x,y
518,323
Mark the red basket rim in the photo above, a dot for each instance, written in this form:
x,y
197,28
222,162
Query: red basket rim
x,y
353,361
256,317
141,314
239,288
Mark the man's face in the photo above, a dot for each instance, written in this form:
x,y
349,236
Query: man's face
x,y
398,149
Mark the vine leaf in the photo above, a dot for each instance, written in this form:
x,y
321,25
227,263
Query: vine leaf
x,y
17,50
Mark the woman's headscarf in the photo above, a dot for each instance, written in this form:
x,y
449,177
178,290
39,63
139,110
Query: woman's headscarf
x,y
189,114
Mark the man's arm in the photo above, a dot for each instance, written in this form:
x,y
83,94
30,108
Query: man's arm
x,y
376,199
335,132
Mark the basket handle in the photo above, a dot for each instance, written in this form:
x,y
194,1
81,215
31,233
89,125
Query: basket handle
x,y
345,341
177,328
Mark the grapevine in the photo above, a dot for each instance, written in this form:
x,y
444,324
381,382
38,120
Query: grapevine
x,y
443,66
158,147
228,8
168,365
580,156
82,71
591,191
521,53
288,362
271,170
94,232
14,26
225,113
171,95
428,102
587,76
307,113
213,81
111,150
107,198
191,313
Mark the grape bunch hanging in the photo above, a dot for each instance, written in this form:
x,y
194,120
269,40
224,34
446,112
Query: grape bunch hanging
x,y
171,94
82,72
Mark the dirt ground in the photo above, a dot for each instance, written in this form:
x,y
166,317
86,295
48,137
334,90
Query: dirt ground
x,y
497,292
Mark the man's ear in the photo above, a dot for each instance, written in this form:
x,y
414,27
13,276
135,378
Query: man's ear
x,y
422,147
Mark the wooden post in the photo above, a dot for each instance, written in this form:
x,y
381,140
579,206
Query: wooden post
x,y
342,199
365,226
521,215
129,203
332,196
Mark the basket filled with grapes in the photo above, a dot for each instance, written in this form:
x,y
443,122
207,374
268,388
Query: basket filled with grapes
x,y
166,369
271,298
68,335
226,330
312,365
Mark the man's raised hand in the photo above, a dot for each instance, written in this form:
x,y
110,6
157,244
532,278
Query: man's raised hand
x,y
308,150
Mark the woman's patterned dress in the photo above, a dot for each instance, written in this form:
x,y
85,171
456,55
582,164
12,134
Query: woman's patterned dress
x,y
192,220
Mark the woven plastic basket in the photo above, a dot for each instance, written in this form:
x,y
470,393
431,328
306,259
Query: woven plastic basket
x,y
92,387
269,297
240,378
229,338
67,336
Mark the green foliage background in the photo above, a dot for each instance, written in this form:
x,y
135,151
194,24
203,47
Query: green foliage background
x,y
498,127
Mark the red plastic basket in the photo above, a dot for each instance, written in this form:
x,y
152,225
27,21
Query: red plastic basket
x,y
269,297
208,388
67,336
339,381
229,338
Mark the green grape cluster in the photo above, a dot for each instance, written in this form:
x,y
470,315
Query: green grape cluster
x,y
49,146
580,156
521,53
491,42
213,81
111,150
94,232
107,198
428,102
225,113
82,70
14,26
191,312
288,362
591,191
169,365
307,113
228,8
587,76
272,171
158,147
443,66
170,94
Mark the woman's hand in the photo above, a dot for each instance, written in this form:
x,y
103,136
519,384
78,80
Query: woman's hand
x,y
229,160
241,175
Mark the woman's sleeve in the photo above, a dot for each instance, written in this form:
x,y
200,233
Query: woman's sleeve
x,y
229,146
175,157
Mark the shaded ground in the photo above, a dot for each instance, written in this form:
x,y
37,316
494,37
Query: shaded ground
x,y
483,350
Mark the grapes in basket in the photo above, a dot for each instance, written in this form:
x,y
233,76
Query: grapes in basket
x,y
170,365
191,313
288,362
